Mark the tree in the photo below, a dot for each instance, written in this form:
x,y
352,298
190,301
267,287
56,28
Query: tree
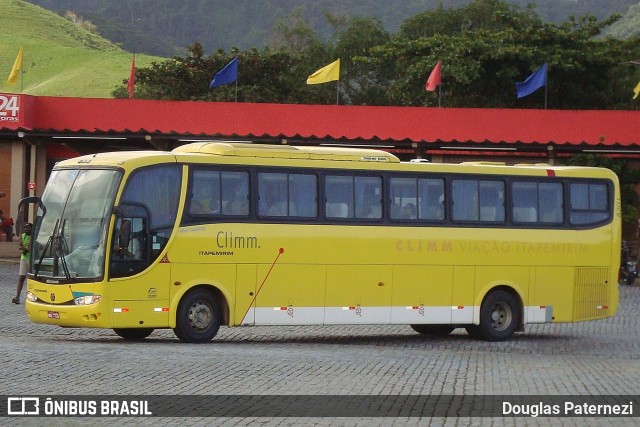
x,y
485,47
497,47
360,83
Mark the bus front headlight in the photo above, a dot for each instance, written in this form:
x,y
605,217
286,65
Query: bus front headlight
x,y
87,299
31,297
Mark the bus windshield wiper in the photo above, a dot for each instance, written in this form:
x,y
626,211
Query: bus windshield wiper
x,y
46,247
59,246
56,243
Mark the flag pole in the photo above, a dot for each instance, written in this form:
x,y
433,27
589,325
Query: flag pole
x,y
439,95
236,90
545,94
22,74
337,91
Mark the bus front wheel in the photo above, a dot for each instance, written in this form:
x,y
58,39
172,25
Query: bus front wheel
x,y
198,317
499,317
133,334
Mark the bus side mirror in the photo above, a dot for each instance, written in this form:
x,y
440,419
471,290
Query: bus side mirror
x,y
22,204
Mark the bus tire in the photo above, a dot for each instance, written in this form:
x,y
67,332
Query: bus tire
x,y
198,317
133,334
433,330
499,316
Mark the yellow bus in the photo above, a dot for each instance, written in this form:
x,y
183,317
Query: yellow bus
x,y
233,234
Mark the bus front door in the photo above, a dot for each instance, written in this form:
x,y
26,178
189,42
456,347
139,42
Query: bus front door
x,y
139,286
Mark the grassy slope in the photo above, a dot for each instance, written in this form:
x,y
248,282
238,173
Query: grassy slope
x,y
60,58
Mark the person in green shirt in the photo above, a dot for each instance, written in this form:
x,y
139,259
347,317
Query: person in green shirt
x,y
25,249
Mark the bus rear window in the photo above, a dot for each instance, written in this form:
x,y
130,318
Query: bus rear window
x,y
589,203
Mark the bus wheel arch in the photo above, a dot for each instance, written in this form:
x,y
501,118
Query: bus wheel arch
x,y
200,313
500,316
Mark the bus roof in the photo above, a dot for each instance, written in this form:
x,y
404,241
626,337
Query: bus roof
x,y
358,158
287,152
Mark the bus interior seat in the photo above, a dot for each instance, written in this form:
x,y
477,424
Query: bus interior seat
x,y
337,210
488,213
278,209
551,215
237,208
375,212
396,211
525,214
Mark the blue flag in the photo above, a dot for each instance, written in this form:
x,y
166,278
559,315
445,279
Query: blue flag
x,y
227,75
534,82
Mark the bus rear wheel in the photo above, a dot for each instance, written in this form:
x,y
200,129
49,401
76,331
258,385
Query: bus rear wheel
x,y
133,334
433,330
198,317
499,317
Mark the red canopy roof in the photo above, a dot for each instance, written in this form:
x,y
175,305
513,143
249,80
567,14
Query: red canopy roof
x,y
417,124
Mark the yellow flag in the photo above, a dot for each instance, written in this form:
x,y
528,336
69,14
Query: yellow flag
x,y
325,74
636,91
15,71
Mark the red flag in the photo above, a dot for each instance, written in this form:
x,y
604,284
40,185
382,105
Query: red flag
x,y
132,77
434,78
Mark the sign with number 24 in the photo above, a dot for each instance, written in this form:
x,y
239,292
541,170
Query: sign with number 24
x,y
9,108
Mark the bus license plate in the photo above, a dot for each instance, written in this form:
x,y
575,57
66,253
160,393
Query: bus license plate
x,y
53,315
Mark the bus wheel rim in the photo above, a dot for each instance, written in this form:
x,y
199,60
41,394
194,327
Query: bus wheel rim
x,y
200,316
501,316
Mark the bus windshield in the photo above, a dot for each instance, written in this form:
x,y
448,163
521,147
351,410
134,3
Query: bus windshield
x,y
69,241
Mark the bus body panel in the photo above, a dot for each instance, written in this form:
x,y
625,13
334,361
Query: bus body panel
x,y
246,285
323,270
142,299
416,287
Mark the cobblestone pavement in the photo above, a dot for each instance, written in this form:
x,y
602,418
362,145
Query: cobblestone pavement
x,y
590,358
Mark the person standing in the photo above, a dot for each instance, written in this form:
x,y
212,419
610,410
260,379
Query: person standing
x,y
6,225
25,250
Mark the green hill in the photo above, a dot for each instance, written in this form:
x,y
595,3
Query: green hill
x,y
628,27
60,58
165,27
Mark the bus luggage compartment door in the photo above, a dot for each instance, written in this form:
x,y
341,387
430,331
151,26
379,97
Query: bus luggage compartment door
x,y
358,294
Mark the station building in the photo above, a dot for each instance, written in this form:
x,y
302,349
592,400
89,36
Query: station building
x,y
38,131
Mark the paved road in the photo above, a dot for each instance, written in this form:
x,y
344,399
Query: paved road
x,y
591,358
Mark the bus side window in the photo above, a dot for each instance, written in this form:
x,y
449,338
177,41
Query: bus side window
x,y
491,201
551,211
290,195
464,193
235,193
368,194
303,195
403,198
205,193
339,196
431,199
151,197
524,197
272,194
589,203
